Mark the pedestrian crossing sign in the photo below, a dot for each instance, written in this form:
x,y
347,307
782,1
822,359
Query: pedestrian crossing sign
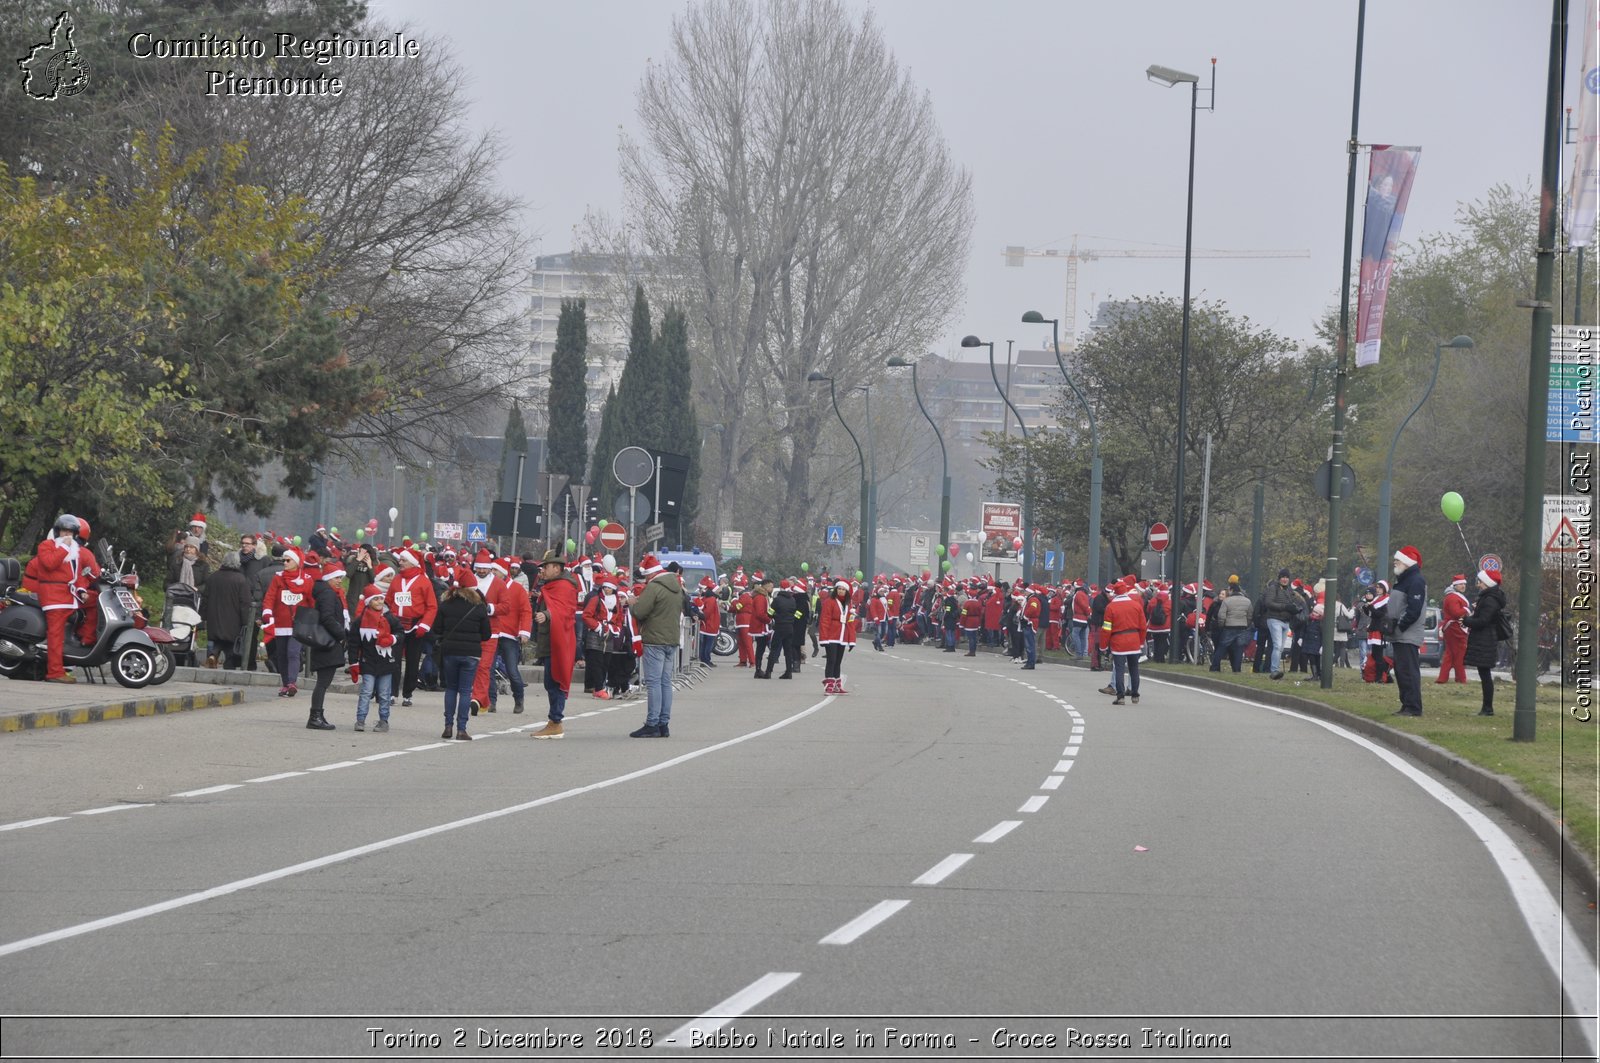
x,y
1050,557
477,531
835,535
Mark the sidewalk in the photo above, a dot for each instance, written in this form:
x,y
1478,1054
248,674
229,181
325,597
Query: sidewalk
x,y
27,706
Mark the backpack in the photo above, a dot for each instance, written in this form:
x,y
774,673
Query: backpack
x,y
308,629
1158,613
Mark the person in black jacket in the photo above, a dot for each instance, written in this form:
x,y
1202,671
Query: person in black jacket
x,y
375,633
1483,634
462,627
328,599
785,636
1097,617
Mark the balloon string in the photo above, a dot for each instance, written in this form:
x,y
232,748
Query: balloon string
x,y
1470,556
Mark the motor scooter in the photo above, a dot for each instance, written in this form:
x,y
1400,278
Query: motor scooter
x,y
120,639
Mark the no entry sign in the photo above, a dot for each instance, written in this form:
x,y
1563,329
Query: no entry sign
x,y
1159,538
613,537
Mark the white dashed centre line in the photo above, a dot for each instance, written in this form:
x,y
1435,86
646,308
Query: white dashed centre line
x,y
339,764
32,822
430,745
942,870
275,778
1076,739
689,1033
1052,783
998,831
108,808
385,756
1034,803
863,922
1065,765
210,790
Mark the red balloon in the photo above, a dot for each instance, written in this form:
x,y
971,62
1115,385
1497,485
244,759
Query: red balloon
x,y
588,536
1016,544
926,574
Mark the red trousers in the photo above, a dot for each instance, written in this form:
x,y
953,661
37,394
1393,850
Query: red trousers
x,y
1052,637
1454,659
747,648
480,682
55,628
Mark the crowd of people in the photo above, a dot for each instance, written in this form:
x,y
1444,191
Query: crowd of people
x,y
438,618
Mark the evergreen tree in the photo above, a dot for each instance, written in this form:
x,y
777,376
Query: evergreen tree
x,y
632,405
675,404
515,443
567,447
605,449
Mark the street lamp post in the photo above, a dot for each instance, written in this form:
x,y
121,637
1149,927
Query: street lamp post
x,y
866,508
1027,472
1033,317
944,498
1460,343
1167,76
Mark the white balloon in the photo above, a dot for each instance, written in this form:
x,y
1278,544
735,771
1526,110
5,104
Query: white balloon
x,y
969,557
393,513
609,562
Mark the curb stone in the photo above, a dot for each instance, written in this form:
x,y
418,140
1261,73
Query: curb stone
x,y
159,705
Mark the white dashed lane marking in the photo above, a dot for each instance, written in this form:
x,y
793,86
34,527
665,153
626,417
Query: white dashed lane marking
x,y
210,790
108,808
942,870
863,922
998,831
1034,803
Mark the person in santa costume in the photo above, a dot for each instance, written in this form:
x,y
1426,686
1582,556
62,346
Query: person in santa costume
x,y
625,648
289,590
1125,628
412,600
333,616
512,626
599,626
742,605
1407,603
84,590
558,640
710,607
375,635
835,630
761,621
491,585
1452,611
972,619
54,577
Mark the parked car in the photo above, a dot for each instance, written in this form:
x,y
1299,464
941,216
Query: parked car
x,y
1432,642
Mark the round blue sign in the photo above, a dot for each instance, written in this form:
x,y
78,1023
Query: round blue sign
x,y
1364,575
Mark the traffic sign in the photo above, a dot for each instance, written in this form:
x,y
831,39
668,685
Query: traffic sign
x,y
612,537
1050,557
1324,481
1364,575
641,509
1159,538
653,532
478,531
835,536
1490,563
633,466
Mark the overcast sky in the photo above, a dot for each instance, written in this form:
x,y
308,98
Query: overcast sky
x,y
1047,104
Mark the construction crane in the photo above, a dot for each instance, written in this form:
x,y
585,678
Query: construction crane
x,y
1015,256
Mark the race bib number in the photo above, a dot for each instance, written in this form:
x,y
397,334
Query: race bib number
x,y
291,598
402,599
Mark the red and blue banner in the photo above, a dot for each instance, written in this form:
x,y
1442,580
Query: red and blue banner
x,y
1388,189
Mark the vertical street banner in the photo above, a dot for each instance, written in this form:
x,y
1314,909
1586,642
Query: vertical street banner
x,y
1583,191
1002,525
1388,189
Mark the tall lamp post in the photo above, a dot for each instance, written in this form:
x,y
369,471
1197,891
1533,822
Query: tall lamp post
x,y
944,498
1033,317
1169,77
1460,343
866,509
1027,473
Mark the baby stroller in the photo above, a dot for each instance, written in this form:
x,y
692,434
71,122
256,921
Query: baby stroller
x,y
181,616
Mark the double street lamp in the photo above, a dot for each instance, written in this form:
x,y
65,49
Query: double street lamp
x,y
868,488
944,498
1460,343
1033,317
1027,470
1169,77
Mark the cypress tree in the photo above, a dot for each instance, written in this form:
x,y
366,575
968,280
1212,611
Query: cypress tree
x,y
567,448
605,487
675,404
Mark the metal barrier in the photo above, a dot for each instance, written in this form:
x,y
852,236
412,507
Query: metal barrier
x,y
688,642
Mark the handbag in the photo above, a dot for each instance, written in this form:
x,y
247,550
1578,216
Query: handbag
x,y
1502,627
308,629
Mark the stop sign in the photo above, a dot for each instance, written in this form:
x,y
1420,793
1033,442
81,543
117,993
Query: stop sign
x,y
1159,539
612,537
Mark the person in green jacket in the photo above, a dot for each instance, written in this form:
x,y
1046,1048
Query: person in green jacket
x,y
657,611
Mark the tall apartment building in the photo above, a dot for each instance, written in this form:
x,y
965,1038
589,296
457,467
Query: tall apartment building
x,y
572,275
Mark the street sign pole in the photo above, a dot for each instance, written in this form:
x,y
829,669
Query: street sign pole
x,y
516,511
633,493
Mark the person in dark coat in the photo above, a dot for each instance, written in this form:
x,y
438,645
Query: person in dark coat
x,y
463,627
227,611
1097,615
1483,634
327,595
260,581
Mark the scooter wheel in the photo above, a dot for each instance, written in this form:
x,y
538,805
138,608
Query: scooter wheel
x,y
135,666
166,665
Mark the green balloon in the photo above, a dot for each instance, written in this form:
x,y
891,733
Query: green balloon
x,y
858,574
1453,506
334,530
604,524
805,566
297,540
939,549
572,547
424,536
944,566
361,533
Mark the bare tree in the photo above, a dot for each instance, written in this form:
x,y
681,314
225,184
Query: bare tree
x,y
792,188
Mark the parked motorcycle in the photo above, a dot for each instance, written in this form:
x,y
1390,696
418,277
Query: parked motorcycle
x,y
120,639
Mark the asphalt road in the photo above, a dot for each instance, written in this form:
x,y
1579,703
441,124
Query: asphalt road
x,y
983,860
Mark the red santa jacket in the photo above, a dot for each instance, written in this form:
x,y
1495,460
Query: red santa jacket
x,y
760,615
834,621
57,564
741,611
1080,605
710,613
287,592
1030,610
1166,605
1125,623
1452,609
971,614
412,600
877,609
513,614
993,606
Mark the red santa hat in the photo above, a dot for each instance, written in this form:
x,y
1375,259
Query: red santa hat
x,y
371,590
502,566
200,519
1458,578
1489,579
649,565
382,576
484,559
293,552
333,571
1408,556
406,555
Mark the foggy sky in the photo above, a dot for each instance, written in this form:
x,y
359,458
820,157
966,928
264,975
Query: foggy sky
x,y
1047,105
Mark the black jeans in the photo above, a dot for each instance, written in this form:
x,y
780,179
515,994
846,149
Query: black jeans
x,y
413,659
834,657
320,691
1408,676
784,642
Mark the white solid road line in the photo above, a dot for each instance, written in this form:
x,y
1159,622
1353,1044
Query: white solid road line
x,y
31,822
685,1036
187,899
998,831
386,756
942,870
863,922
1034,803
1052,783
275,778
339,764
108,808
1563,950
210,790
430,745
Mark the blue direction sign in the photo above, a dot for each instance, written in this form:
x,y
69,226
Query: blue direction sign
x,y
835,535
1050,560
1364,576
477,531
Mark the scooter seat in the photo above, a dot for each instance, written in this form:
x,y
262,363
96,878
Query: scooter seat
x,y
25,598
